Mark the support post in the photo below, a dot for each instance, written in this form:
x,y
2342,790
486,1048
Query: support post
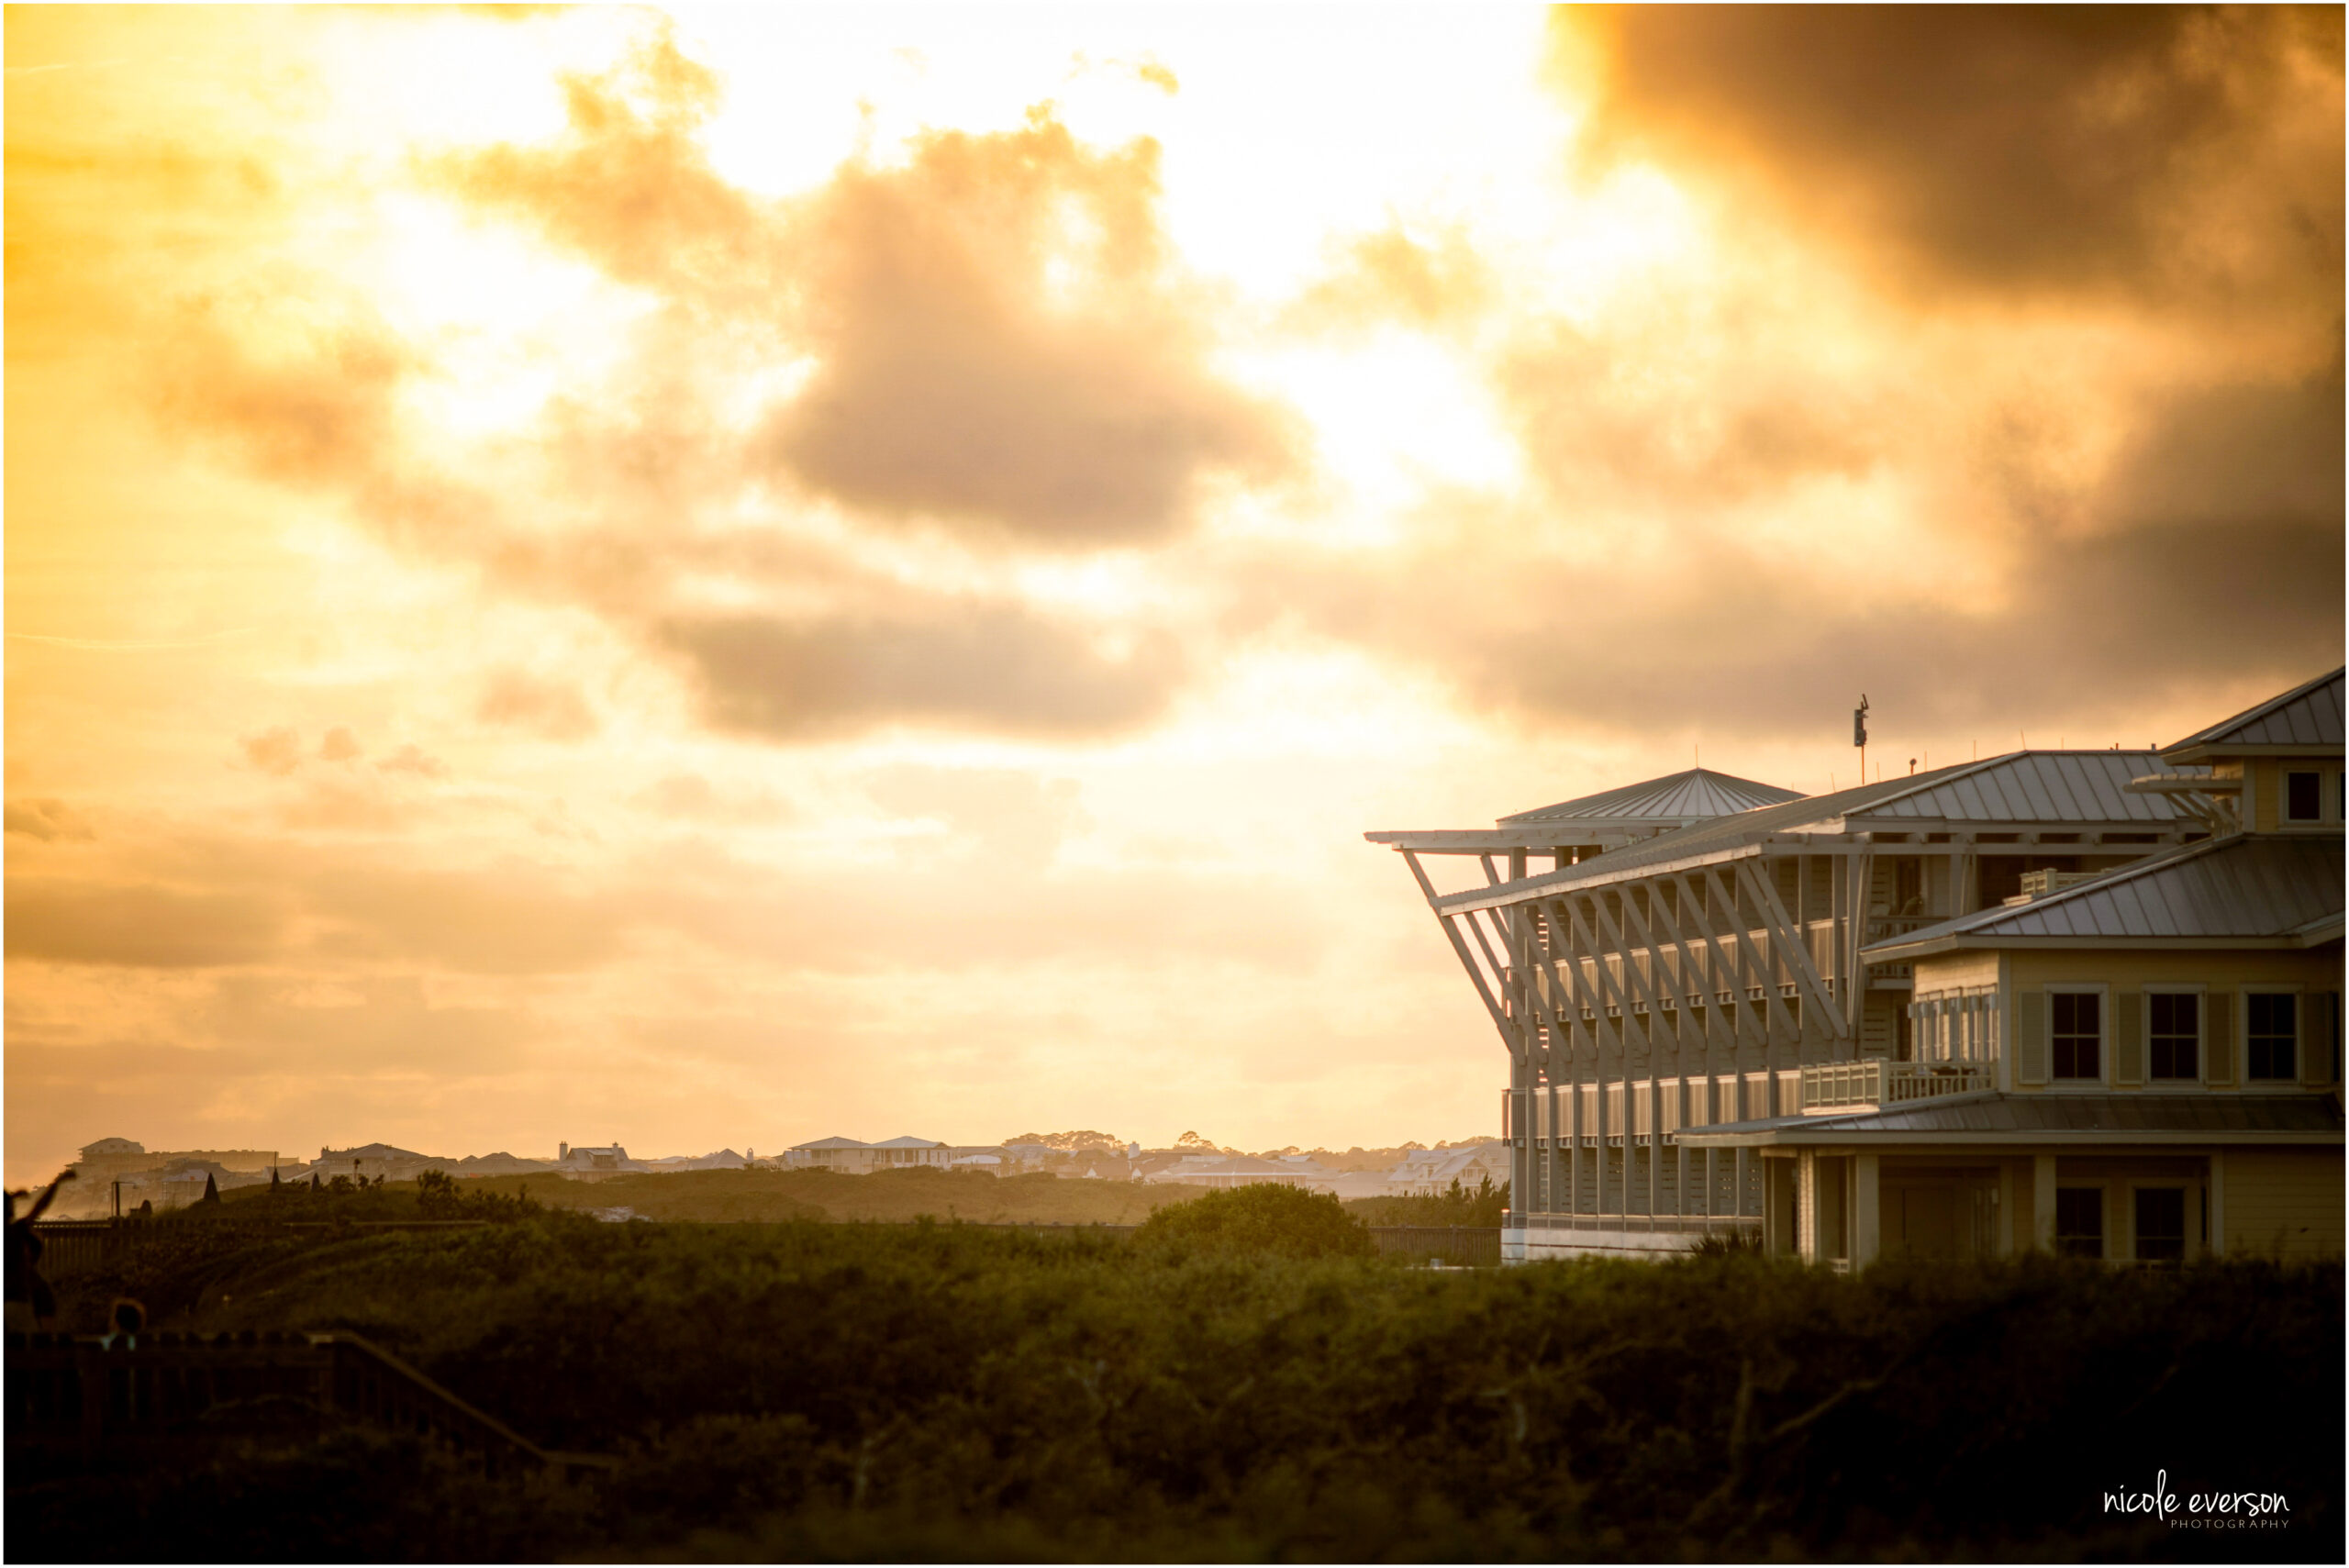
x,y
1867,1237
2042,1202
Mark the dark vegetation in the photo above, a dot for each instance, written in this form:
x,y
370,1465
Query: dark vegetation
x,y
1233,1381
1480,1206
775,1195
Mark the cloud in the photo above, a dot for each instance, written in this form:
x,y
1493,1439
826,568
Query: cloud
x,y
340,745
2149,150
142,925
689,798
552,710
999,343
277,751
413,759
975,663
1020,816
1391,277
47,820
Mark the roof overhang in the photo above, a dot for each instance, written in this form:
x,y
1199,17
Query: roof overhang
x,y
1903,952
1485,841
1590,873
2221,751
1824,1131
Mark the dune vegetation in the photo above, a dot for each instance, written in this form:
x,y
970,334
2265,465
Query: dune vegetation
x,y
1237,1380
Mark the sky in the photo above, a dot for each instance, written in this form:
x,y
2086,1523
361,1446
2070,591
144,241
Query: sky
x,y
711,578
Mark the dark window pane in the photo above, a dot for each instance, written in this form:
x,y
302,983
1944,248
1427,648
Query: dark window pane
x,y
2176,1053
2076,1042
2079,1222
2300,797
2161,1225
2270,1048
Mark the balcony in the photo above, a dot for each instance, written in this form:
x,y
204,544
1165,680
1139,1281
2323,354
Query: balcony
x,y
1850,1085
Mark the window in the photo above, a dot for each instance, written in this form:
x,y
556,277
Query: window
x,y
2271,1034
2161,1225
2078,1032
2176,1037
2079,1222
2303,797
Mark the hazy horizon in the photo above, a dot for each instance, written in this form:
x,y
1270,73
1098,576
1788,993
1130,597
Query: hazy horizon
x,y
717,575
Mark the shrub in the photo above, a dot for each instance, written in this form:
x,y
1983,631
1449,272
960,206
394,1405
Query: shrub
x,y
1285,1221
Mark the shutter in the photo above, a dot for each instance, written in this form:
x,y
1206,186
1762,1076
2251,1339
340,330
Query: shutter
x,y
2128,1036
2031,1038
2317,1011
2219,1034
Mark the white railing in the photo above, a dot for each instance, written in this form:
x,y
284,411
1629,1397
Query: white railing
x,y
1838,1084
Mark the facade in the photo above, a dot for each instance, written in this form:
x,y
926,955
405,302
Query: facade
x,y
1790,1021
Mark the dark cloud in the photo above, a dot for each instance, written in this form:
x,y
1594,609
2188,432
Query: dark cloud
x,y
953,663
1731,641
955,380
2008,148
340,745
141,926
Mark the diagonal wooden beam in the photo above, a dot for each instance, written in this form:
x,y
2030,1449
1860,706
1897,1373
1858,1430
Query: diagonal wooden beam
x,y
1500,1021
1797,956
1773,1005
1706,910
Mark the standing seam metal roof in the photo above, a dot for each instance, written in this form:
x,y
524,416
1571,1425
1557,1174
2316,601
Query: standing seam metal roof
x,y
1697,793
2248,885
2308,715
2018,786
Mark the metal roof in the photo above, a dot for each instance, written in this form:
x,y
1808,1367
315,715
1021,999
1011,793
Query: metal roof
x,y
2022,1118
2308,715
2283,888
2040,786
2019,787
1696,794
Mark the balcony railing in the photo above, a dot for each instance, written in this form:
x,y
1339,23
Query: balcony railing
x,y
1837,1086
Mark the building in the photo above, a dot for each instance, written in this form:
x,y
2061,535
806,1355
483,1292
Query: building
x,y
585,1160
1792,1020
1244,1171
120,1161
851,1158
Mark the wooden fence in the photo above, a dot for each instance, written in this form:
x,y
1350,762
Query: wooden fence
x,y
1472,1246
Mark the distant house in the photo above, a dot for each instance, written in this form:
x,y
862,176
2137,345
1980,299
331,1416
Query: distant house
x,y
723,1160
139,1172
1424,1171
851,1158
578,1160
1242,1171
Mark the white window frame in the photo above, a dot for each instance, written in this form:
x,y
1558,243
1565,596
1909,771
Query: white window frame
x,y
2328,796
2201,1036
2103,992
2244,994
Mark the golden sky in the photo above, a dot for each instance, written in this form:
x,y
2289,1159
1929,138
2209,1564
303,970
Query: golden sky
x,y
719,577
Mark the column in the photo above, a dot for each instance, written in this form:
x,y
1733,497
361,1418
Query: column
x,y
2042,1202
1867,1225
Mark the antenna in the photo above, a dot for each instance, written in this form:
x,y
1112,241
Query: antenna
x,y
1860,735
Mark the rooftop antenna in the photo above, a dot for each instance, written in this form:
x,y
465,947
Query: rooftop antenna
x,y
1860,735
